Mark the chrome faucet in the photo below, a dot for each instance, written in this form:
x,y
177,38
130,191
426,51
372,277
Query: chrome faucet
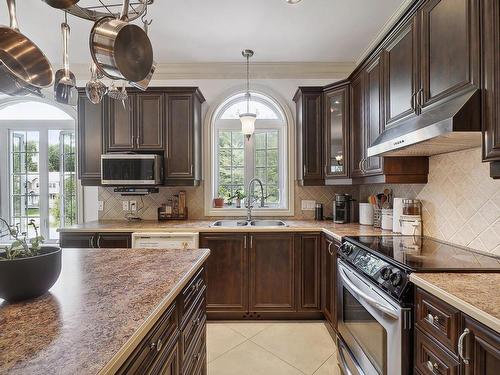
x,y
251,198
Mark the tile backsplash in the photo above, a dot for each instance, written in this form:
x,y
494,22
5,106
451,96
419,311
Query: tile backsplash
x,y
461,203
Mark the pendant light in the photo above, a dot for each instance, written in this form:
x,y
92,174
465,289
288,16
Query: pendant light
x,y
248,119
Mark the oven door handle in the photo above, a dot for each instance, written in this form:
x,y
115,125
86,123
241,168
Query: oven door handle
x,y
372,302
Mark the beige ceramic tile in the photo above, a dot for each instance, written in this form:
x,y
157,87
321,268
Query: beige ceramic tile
x,y
250,359
306,346
330,367
247,329
221,339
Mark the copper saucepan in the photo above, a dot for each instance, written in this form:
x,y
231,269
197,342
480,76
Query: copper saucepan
x,y
61,4
24,69
121,50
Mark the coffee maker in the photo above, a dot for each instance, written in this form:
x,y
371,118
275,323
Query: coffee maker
x,y
343,209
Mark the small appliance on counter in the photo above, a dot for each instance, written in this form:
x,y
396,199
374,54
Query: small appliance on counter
x,y
344,209
174,209
411,218
318,212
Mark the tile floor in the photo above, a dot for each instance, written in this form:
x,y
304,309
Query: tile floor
x,y
270,348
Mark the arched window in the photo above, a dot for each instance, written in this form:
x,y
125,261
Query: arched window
x,y
236,160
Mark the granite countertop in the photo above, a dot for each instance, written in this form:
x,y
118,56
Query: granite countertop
x,y
476,294
102,306
336,230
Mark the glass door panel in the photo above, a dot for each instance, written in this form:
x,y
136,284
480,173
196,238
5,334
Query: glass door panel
x,y
336,153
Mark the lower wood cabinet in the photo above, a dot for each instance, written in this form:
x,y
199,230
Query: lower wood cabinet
x,y
263,275
329,248
448,341
95,240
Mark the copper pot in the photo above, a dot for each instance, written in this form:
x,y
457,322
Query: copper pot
x,y
121,50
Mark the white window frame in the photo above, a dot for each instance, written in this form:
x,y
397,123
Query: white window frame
x,y
284,123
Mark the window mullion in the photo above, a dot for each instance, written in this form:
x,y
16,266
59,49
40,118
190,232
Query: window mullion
x,y
44,182
249,160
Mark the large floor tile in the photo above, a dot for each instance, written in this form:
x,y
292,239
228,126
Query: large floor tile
x,y
248,329
250,359
330,367
306,346
220,339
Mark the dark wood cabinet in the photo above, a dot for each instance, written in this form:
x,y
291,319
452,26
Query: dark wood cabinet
x,y
309,134
449,49
226,271
400,62
272,272
119,130
308,250
91,118
357,125
329,247
184,137
482,349
336,131
490,69
95,240
150,120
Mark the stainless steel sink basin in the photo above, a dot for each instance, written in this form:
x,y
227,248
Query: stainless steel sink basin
x,y
268,223
230,223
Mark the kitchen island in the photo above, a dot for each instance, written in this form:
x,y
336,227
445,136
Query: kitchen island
x,y
112,310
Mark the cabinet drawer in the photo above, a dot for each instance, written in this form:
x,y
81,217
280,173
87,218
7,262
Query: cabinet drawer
x,y
438,319
431,359
190,294
158,341
192,363
195,323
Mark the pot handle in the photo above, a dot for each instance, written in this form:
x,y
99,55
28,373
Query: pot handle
x,y
65,34
124,13
11,4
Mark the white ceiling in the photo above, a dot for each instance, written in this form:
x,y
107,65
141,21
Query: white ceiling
x,y
217,30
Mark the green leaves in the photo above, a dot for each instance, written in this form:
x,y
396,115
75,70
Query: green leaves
x,y
19,248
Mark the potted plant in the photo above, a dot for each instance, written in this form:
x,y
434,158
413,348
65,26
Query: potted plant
x,y
27,269
219,201
239,196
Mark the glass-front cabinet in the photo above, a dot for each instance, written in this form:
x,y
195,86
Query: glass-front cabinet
x,y
336,120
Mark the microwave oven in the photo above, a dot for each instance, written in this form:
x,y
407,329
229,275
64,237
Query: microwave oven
x,y
131,169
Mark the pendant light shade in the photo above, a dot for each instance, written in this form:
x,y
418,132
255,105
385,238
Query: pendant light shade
x,y
248,119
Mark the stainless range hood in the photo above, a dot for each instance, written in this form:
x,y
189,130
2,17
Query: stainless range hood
x,y
451,126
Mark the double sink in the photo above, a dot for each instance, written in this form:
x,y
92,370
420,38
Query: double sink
x,y
251,223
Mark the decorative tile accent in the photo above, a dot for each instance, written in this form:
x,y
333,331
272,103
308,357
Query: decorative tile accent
x,y
461,203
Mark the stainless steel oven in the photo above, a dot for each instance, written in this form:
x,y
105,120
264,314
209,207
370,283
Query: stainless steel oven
x,y
131,169
375,331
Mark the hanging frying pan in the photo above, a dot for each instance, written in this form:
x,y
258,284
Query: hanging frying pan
x,y
61,4
121,50
24,68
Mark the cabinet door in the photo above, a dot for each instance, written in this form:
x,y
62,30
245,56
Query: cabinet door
x,y
150,121
450,48
77,240
490,34
119,134
329,261
374,115
226,271
180,152
482,349
400,74
309,260
272,272
357,104
336,132
114,240
90,122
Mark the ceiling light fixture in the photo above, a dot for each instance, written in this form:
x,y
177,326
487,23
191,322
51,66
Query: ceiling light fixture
x,y
248,119
293,1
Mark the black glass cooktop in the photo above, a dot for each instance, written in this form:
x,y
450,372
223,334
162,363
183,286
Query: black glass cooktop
x,y
423,254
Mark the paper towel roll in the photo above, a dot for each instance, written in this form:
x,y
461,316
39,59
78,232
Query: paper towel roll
x,y
397,212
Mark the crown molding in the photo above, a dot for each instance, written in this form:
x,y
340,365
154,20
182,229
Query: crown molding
x,y
236,70
384,30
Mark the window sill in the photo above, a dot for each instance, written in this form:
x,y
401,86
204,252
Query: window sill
x,y
242,212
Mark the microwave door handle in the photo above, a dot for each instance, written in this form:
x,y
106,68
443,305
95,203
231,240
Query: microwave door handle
x,y
389,311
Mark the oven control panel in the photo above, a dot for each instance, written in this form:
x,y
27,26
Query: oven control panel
x,y
390,278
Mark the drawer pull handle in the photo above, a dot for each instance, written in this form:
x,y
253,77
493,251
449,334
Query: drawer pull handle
x,y
433,319
158,345
461,345
196,321
432,366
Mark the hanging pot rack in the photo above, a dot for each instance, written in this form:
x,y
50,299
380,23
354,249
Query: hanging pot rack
x,y
94,10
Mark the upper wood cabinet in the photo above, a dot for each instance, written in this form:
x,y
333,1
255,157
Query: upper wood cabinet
x,y
449,49
490,68
357,125
136,124
184,137
91,118
336,131
309,118
400,63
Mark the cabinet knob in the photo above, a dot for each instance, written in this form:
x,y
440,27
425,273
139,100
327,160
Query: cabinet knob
x,y
158,345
